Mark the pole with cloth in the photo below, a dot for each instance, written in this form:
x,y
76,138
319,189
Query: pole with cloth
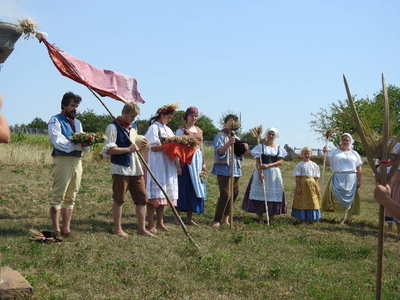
x,y
105,83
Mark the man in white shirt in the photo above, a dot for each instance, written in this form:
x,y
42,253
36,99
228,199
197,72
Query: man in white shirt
x,y
67,157
121,145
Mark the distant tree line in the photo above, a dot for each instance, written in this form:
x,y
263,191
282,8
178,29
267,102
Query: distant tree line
x,y
93,122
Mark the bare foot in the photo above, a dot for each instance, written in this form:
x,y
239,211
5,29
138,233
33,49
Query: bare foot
x,y
216,225
162,227
225,223
121,233
152,229
191,222
146,233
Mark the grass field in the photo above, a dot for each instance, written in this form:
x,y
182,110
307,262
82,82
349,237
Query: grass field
x,y
252,261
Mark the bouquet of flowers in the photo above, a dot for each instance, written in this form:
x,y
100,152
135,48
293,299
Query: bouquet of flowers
x,y
87,138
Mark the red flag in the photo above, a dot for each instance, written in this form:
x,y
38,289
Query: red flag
x,y
104,82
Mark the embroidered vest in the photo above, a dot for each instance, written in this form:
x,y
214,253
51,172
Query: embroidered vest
x,y
122,141
67,131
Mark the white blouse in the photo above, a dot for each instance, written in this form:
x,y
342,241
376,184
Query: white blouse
x,y
268,150
307,168
344,161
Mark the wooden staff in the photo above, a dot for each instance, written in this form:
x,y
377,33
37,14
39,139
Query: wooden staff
x,y
147,167
231,181
257,133
380,178
383,180
328,134
264,192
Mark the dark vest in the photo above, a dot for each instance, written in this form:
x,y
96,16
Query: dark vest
x,y
67,131
122,141
268,159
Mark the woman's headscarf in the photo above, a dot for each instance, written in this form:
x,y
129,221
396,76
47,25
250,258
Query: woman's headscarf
x,y
350,137
274,130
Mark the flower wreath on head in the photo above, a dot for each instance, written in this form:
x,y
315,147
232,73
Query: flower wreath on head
x,y
167,109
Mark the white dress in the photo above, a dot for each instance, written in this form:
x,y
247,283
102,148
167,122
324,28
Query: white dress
x,y
164,169
273,176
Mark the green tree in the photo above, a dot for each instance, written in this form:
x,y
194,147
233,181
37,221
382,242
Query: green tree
x,y
337,116
142,126
37,123
92,122
208,127
248,138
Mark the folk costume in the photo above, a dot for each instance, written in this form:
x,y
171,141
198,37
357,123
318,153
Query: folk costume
x,y
126,170
254,199
307,196
192,190
342,193
395,186
223,169
163,167
67,158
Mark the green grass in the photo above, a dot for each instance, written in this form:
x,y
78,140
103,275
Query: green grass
x,y
252,261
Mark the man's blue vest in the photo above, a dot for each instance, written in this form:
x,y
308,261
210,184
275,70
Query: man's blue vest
x,y
122,141
67,131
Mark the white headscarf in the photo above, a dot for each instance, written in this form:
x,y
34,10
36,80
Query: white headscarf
x,y
350,137
274,130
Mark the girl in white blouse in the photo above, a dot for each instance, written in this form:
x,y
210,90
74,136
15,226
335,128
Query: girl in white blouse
x,y
307,197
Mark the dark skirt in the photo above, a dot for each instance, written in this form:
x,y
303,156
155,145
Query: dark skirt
x,y
187,200
258,207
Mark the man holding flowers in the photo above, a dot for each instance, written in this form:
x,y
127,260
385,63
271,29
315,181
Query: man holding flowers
x,y
67,157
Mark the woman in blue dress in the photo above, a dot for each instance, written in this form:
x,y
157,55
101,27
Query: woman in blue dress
x,y
192,190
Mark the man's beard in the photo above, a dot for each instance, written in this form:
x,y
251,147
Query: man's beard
x,y
71,114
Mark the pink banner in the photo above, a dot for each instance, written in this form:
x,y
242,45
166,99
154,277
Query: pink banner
x,y
104,82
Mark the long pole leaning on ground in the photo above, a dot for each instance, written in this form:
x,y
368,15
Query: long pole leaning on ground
x,y
147,167
381,178
327,136
231,181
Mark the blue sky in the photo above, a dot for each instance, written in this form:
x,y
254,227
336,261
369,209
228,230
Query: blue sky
x,y
275,62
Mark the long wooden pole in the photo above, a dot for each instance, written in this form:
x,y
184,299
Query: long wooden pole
x,y
264,192
324,166
139,154
147,167
231,182
383,180
380,178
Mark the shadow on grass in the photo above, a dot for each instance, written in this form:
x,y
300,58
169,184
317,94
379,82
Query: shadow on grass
x,y
9,217
91,225
13,232
358,228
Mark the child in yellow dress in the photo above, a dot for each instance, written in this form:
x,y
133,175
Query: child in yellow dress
x,y
307,197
